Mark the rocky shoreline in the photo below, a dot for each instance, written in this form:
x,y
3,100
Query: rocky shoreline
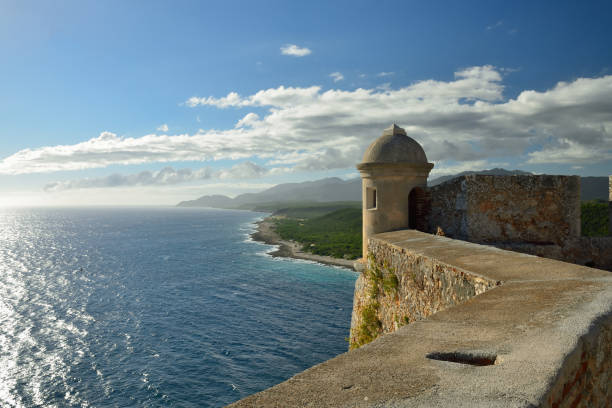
x,y
290,249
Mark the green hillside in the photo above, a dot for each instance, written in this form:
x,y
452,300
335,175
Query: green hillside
x,y
594,218
304,209
337,233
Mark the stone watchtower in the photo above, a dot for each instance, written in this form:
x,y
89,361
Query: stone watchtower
x,y
394,171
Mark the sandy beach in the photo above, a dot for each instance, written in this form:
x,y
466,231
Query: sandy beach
x,y
290,249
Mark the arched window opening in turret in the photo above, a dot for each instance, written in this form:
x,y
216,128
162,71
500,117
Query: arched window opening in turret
x,y
371,198
416,208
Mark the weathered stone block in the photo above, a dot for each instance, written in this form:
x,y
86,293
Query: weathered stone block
x,y
542,210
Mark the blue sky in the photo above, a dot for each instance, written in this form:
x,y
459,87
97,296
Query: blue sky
x,y
153,102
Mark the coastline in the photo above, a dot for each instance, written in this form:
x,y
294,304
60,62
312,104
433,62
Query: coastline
x,y
290,249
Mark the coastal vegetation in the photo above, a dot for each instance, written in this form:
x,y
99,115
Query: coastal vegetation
x,y
331,230
594,218
305,209
334,228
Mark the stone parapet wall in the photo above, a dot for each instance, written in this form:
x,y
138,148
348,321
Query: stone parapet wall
x,y
529,209
399,286
585,379
541,338
590,251
449,208
537,215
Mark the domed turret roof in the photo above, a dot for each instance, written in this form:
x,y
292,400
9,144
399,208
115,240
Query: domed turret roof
x,y
395,147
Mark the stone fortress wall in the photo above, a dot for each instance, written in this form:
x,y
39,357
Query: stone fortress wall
x,y
538,215
442,321
541,210
400,286
464,325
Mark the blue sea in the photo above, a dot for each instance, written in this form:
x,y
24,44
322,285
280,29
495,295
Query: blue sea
x,y
156,307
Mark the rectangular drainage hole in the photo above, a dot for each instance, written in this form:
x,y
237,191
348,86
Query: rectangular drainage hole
x,y
464,357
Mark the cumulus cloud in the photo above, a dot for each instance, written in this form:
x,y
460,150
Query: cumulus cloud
x,y
295,51
163,128
466,119
164,177
275,97
384,74
248,120
336,76
242,171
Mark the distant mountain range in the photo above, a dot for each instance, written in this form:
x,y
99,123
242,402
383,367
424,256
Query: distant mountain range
x,y
492,172
324,190
334,189
594,188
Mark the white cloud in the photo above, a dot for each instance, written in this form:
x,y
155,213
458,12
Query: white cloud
x,y
248,120
164,177
570,151
243,170
279,97
163,128
295,51
463,120
496,25
230,100
385,74
384,87
337,76
499,24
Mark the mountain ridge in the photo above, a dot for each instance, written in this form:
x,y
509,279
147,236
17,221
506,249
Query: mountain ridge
x,y
330,189
334,189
